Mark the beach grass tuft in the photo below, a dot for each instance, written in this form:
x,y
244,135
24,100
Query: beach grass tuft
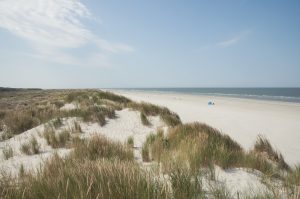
x,y
30,148
57,122
130,141
167,116
144,119
7,152
200,145
263,146
56,139
99,147
66,178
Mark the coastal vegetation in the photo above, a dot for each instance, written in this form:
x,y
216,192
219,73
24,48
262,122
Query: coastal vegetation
x,y
177,162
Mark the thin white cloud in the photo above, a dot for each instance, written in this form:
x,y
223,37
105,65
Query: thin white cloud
x,y
53,25
229,42
113,47
233,40
225,43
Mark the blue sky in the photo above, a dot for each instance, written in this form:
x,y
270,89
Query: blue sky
x,y
170,43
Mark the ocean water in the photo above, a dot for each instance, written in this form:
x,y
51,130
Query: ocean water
x,y
275,94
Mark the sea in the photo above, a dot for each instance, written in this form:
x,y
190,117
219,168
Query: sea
x,y
273,94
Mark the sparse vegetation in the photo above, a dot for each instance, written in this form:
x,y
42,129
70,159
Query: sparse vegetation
x,y
220,191
64,178
18,122
2,114
8,152
31,147
293,177
145,153
6,135
63,138
130,142
25,148
59,104
21,171
170,118
99,147
76,127
113,97
144,119
185,183
146,156
102,168
39,106
199,145
263,147
57,122
56,140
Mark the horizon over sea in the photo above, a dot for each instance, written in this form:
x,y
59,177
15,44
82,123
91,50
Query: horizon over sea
x,y
274,94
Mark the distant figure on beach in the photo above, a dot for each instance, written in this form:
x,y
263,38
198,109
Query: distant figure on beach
x,y
211,103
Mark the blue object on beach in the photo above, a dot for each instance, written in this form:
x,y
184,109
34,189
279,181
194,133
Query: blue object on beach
x,y
211,103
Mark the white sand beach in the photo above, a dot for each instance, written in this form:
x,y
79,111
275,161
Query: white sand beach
x,y
242,119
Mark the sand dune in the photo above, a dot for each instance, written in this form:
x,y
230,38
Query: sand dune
x,y
127,123
242,119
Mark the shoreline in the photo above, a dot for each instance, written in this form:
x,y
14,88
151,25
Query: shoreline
x,y
224,97
241,119
265,97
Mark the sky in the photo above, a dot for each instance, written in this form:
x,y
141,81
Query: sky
x,y
169,43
